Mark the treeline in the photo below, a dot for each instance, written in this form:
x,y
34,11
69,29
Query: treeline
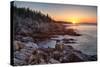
x,y
28,13
27,21
34,23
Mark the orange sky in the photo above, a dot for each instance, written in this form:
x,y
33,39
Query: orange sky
x,y
64,12
77,19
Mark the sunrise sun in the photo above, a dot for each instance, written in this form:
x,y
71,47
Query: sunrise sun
x,y
73,20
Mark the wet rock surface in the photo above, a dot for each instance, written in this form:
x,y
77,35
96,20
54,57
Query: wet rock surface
x,y
29,54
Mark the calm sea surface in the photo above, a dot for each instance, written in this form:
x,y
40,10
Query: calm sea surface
x,y
87,43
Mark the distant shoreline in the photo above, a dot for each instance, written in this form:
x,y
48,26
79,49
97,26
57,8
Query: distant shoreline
x,y
84,23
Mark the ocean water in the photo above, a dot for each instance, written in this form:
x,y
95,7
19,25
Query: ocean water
x,y
87,43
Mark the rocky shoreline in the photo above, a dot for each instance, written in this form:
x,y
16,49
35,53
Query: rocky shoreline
x,y
29,53
30,28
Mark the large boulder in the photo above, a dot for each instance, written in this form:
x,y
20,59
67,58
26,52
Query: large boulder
x,y
18,62
21,56
18,45
38,57
59,47
74,58
52,61
57,54
67,41
68,48
31,45
32,58
70,58
27,39
24,38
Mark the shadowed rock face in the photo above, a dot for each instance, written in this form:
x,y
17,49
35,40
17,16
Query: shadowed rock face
x,y
18,45
74,58
27,22
59,54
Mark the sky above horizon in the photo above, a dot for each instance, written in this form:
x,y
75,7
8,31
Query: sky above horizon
x,y
63,12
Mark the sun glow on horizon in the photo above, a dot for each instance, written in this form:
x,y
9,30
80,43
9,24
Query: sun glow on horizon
x,y
64,12
73,20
